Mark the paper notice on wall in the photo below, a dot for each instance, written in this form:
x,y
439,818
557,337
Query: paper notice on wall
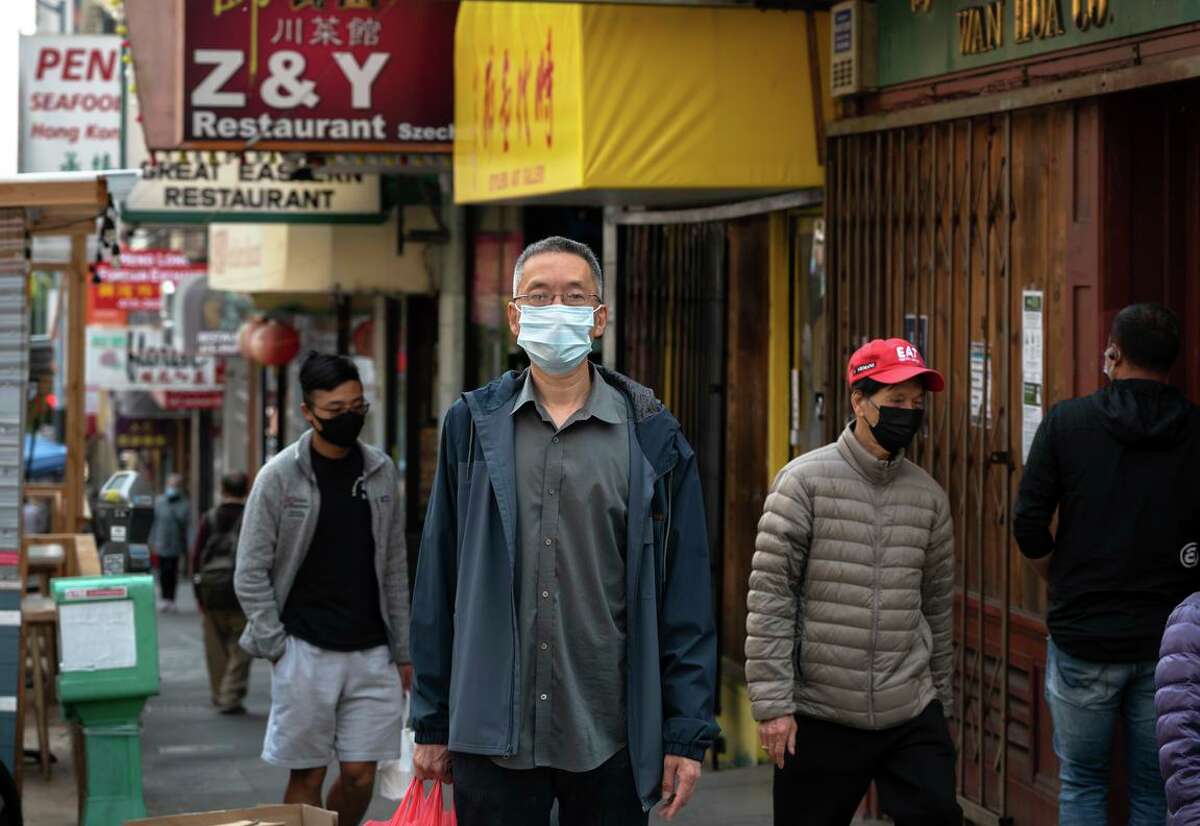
x,y
1033,364
1031,416
981,376
98,636
1032,337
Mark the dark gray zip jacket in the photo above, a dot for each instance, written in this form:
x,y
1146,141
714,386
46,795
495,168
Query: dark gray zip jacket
x,y
278,526
464,624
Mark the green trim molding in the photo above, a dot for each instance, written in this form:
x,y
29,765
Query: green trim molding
x,y
927,38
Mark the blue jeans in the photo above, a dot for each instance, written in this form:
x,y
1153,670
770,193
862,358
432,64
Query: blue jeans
x,y
1086,700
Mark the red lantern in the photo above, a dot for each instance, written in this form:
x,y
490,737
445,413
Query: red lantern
x,y
274,343
364,339
245,333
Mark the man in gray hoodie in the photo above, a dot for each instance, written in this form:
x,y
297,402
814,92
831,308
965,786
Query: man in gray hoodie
x,y
322,575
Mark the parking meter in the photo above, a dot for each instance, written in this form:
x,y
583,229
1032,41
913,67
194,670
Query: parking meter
x,y
108,652
125,514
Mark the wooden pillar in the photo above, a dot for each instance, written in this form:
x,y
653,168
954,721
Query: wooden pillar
x,y
76,402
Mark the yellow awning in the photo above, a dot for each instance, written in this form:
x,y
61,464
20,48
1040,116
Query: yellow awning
x,y
610,102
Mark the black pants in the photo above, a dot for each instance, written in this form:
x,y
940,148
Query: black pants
x,y
912,766
168,576
487,795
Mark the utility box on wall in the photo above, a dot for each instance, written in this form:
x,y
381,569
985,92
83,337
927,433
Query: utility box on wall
x,y
854,48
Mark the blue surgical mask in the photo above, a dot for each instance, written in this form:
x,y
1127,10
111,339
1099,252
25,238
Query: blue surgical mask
x,y
557,338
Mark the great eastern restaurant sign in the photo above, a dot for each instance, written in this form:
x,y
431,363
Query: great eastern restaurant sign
x,y
319,74
926,38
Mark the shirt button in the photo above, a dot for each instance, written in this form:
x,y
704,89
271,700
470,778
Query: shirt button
x,y
545,697
544,646
545,595
549,542
555,440
550,491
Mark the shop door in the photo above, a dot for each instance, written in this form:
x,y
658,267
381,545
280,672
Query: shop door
x,y
1152,211
934,234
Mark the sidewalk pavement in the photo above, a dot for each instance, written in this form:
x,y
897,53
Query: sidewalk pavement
x,y
197,760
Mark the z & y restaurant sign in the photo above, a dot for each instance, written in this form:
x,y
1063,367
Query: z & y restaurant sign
x,y
295,75
926,38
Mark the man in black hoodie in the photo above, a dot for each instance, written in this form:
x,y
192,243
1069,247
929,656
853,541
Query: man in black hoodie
x,y
1119,467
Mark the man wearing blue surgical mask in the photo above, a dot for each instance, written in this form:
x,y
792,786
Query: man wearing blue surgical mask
x,y
563,639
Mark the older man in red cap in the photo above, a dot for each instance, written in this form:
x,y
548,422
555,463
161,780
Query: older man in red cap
x,y
848,646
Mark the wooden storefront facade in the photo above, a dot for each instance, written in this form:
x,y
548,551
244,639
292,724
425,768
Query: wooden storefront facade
x,y
1074,174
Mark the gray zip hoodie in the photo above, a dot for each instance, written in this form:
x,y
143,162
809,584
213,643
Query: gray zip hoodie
x,y
277,530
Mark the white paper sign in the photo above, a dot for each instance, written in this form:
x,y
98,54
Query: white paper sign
x,y
70,102
1033,361
97,635
981,376
1032,337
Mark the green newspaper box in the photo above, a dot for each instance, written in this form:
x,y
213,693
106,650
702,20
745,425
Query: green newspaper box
x,y
108,661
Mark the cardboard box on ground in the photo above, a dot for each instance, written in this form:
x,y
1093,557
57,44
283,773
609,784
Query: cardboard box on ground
x,y
257,816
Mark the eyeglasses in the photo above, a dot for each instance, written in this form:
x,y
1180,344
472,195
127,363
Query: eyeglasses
x,y
575,298
361,408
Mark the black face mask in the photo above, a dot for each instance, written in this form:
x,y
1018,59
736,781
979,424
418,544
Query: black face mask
x,y
343,429
897,427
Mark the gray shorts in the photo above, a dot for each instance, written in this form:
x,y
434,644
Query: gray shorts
x,y
327,704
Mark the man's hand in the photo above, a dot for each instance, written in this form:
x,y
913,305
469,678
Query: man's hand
x,y
778,735
405,670
680,775
432,762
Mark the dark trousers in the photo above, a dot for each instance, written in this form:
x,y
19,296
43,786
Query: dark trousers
x,y
912,766
487,795
168,576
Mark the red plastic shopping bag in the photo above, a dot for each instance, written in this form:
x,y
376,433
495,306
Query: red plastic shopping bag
x,y
417,809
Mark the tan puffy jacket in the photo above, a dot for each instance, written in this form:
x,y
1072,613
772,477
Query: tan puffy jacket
x,y
851,591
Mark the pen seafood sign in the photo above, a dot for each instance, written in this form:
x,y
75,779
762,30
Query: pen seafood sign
x,y
926,38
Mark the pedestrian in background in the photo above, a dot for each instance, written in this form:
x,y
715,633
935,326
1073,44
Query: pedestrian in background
x,y
169,537
214,557
322,575
1119,467
563,639
849,650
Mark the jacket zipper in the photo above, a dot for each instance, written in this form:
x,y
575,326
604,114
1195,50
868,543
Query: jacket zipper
x,y
874,608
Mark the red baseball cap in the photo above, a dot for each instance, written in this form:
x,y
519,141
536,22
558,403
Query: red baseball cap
x,y
892,361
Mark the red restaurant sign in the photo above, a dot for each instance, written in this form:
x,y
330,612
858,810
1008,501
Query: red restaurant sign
x,y
348,75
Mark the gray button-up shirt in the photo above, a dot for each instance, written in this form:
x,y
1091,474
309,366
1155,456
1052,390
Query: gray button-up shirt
x,y
572,492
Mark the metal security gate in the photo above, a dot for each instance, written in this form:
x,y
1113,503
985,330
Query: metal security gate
x,y
920,225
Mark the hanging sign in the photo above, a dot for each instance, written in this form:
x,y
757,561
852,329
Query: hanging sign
x,y
137,358
362,75
203,189
70,102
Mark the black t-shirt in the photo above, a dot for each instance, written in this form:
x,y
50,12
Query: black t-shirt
x,y
334,603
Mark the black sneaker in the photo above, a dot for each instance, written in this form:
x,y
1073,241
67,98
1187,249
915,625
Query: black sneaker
x,y
232,711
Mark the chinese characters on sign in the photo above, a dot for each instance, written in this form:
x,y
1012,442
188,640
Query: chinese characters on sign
x,y
286,73
498,127
138,358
